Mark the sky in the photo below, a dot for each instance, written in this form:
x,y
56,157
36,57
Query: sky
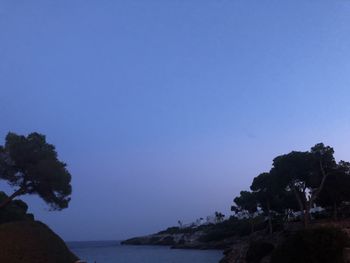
x,y
165,110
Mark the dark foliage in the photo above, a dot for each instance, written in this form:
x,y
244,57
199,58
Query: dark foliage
x,y
296,182
232,227
246,201
336,189
178,230
31,165
257,250
15,211
322,245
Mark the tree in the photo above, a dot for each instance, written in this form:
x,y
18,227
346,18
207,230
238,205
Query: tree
x,y
268,194
31,165
219,217
336,188
272,196
305,174
247,205
324,165
291,171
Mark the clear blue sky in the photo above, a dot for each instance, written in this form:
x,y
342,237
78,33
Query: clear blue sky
x,y
165,110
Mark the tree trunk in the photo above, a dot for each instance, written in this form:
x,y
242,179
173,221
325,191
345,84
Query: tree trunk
x,y
335,211
252,225
269,217
8,200
314,194
302,206
307,215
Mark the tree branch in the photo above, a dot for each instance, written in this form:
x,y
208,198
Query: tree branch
x,y
9,199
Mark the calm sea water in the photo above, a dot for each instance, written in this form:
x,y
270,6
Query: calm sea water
x,y
113,252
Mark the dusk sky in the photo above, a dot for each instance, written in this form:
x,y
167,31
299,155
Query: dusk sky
x,y
165,110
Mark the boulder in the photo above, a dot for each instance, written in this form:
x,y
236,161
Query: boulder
x,y
32,242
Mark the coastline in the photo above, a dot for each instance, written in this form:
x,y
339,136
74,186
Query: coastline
x,y
179,241
236,248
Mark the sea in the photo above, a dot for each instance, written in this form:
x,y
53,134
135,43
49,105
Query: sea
x,y
113,252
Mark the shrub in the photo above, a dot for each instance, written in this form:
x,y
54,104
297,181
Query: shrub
x,y
15,211
232,227
177,230
257,250
321,245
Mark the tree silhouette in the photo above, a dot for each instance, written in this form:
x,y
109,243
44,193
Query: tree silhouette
x,y
336,189
305,174
268,194
292,171
219,217
246,204
30,164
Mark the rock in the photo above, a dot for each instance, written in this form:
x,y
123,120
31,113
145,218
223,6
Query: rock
x,y
237,253
32,242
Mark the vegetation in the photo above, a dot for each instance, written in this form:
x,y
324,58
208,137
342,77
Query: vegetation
x,y
258,250
219,231
322,245
336,189
230,228
297,182
177,230
14,211
30,164
219,217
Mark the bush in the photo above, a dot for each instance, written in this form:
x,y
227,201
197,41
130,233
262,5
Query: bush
x,y
178,230
257,250
321,245
232,227
14,211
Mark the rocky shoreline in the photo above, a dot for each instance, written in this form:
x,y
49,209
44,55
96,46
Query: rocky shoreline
x,y
235,249
179,241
